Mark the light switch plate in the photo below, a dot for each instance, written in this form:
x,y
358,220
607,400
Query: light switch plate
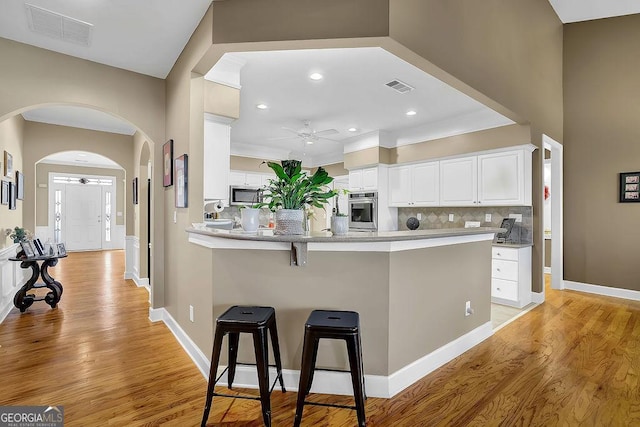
x,y
450,217
175,217
518,217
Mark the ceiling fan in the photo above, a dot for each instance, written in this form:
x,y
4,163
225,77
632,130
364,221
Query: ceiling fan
x,y
307,134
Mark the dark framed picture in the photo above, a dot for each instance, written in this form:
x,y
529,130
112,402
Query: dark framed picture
x,y
38,247
8,164
12,195
181,181
629,187
134,191
167,161
27,248
61,249
4,196
20,185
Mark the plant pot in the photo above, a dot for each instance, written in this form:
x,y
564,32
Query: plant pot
x,y
339,225
289,221
250,219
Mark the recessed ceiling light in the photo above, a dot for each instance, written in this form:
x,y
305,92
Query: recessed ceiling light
x,y
262,106
353,129
315,76
309,141
411,113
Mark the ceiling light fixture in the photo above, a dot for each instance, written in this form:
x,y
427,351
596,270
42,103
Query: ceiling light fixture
x,y
411,113
309,141
262,106
353,129
315,76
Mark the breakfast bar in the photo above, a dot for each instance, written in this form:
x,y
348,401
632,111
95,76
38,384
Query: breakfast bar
x,y
411,289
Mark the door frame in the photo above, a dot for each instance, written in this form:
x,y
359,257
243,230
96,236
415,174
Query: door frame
x,y
557,233
51,212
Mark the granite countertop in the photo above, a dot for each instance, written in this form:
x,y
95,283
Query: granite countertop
x,y
512,245
379,236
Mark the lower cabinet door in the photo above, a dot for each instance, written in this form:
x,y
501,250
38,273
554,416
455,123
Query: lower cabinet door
x,y
505,289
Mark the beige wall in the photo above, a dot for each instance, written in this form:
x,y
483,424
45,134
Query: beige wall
x,y
41,140
601,140
250,164
221,100
11,140
42,193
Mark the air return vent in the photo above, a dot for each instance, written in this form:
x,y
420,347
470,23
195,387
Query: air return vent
x,y
58,26
399,86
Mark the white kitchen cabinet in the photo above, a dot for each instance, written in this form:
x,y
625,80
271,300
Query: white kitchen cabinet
x,y
217,147
504,178
459,182
363,179
414,185
511,276
248,179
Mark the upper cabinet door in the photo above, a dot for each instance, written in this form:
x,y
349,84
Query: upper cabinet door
x,y
370,179
217,137
355,180
458,182
501,179
426,184
400,186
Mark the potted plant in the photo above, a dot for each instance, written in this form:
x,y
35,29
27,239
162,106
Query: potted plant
x,y
339,220
18,234
292,191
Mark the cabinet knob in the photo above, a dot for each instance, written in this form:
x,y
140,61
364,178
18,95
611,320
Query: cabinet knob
x,y
499,254
497,269
499,289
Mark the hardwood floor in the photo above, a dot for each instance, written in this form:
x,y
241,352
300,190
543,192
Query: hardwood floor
x,y
574,360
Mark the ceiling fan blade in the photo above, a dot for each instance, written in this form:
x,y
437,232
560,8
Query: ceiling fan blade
x,y
280,138
328,139
326,132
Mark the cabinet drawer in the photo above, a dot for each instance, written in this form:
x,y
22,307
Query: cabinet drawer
x,y
504,253
505,289
507,270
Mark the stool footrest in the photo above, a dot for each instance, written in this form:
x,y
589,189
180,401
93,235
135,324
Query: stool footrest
x,y
278,376
330,405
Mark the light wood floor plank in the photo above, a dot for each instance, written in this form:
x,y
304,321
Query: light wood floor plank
x,y
574,360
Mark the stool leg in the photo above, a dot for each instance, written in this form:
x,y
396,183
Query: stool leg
x,y
359,343
213,371
356,378
314,352
273,331
262,361
234,338
308,345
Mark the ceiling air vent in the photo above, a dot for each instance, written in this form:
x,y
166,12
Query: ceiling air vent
x,y
399,86
57,26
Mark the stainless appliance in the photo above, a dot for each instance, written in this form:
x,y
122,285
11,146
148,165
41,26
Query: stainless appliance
x,y
239,196
363,211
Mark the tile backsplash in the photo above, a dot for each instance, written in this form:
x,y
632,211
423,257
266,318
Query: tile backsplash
x,y
522,232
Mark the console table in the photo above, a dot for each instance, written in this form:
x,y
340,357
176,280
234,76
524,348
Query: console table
x,y
39,267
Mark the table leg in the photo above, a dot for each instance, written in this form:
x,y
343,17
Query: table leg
x,y
21,300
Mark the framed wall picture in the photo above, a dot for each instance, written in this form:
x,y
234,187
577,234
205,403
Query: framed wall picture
x,y
167,161
8,164
12,195
134,191
20,185
629,187
4,193
181,181
27,249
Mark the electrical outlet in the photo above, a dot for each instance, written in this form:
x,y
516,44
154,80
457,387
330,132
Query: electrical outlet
x,y
419,216
191,313
487,217
468,311
450,217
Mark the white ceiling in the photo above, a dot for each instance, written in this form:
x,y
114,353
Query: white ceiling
x,y
81,158
352,93
586,10
147,37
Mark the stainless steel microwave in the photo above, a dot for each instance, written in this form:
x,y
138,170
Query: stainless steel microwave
x,y
239,196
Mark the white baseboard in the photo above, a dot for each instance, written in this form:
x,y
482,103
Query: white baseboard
x,y
547,270
200,360
330,382
602,290
537,297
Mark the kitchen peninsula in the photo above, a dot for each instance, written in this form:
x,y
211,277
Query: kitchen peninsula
x,y
410,288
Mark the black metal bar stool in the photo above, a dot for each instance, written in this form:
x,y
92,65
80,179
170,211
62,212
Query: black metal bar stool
x,y
256,321
344,325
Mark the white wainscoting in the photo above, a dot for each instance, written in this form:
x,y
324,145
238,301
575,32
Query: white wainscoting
x,y
132,262
334,382
12,277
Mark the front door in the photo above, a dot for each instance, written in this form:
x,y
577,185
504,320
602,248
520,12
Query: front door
x,y
84,216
